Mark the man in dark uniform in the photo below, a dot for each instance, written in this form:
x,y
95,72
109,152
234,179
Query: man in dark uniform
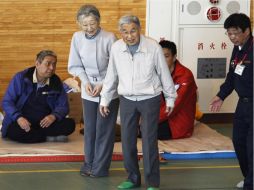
x,y
240,79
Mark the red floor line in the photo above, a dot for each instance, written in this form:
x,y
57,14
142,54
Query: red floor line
x,y
53,158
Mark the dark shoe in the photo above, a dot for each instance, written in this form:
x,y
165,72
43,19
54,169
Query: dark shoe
x,y
85,174
127,185
153,188
60,138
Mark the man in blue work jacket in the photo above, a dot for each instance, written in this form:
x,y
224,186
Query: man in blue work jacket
x,y
36,105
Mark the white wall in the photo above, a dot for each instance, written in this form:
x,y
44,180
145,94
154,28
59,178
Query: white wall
x,y
171,20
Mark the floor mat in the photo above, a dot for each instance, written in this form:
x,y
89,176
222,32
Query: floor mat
x,y
204,140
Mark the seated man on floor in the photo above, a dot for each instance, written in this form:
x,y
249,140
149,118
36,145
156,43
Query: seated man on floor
x,y
36,105
180,123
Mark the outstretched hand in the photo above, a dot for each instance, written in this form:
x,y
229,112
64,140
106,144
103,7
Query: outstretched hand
x,y
216,104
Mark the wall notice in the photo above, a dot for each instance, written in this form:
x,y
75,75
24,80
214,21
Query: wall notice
x,y
211,68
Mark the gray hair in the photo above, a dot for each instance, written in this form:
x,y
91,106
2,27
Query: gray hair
x,y
42,54
88,10
127,19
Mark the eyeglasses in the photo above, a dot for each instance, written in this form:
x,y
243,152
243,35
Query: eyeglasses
x,y
233,34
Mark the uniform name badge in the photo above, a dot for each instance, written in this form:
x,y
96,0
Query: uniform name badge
x,y
239,69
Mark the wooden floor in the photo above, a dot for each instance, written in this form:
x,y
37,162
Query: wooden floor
x,y
208,174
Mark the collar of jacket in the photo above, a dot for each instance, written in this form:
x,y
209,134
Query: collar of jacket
x,y
55,83
246,47
141,47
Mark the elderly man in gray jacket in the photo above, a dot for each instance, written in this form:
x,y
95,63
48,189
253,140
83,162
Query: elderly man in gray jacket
x,y
138,71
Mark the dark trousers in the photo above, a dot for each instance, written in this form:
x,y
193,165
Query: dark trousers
x,y
243,140
37,134
99,137
130,112
164,132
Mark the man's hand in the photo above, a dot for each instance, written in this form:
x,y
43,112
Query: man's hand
x,y
104,111
168,110
47,121
89,89
216,104
24,124
97,90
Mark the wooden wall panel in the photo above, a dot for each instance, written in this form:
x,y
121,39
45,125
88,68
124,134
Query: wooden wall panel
x,y
28,26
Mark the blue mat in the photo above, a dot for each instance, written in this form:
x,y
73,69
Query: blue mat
x,y
203,155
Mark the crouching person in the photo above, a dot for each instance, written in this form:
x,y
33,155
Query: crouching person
x,y
36,105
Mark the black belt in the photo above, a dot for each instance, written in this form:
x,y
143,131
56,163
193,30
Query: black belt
x,y
246,99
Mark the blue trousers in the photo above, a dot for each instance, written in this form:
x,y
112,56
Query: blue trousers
x,y
243,140
99,137
130,113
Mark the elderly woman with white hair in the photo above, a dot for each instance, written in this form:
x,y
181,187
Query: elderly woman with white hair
x,y
88,60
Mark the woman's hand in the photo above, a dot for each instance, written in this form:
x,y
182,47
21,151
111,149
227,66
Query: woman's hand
x,y
89,89
97,90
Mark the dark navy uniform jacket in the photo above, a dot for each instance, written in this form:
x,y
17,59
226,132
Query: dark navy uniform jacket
x,y
242,84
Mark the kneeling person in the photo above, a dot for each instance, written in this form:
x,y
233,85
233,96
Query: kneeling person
x,y
36,105
180,123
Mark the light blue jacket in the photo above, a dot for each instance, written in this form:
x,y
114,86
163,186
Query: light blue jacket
x,y
81,64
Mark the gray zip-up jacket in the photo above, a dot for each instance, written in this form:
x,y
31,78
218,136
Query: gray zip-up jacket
x,y
138,77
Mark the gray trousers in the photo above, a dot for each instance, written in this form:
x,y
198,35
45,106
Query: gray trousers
x,y
99,137
130,113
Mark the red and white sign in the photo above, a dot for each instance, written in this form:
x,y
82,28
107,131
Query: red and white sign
x,y
214,14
